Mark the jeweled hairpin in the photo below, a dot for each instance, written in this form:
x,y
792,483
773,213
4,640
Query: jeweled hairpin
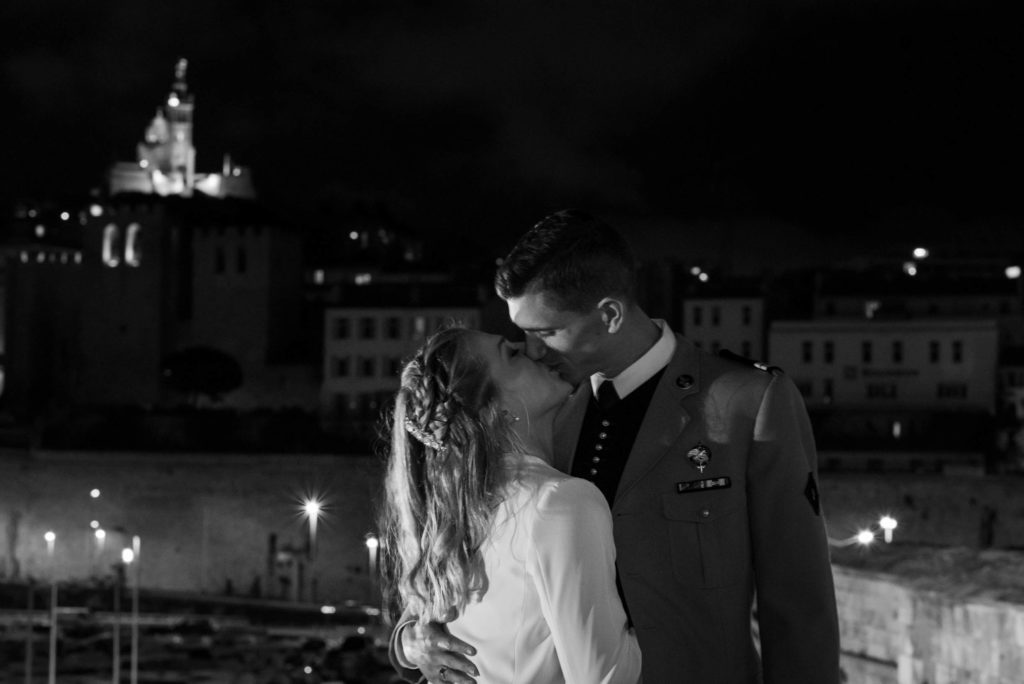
x,y
424,437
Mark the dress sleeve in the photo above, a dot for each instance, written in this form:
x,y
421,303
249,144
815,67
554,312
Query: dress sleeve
x,y
574,570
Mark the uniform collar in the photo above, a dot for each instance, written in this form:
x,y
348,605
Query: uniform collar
x,y
644,368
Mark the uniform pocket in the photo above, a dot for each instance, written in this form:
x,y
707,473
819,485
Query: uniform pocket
x,y
708,538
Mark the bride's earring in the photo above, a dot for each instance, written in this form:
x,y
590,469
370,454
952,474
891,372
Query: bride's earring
x,y
510,416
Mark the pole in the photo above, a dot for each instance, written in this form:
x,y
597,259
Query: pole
x,y
30,635
118,575
136,544
50,543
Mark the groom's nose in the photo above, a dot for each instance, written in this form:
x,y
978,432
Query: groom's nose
x,y
535,349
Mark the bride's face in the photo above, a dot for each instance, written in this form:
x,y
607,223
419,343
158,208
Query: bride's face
x,y
526,386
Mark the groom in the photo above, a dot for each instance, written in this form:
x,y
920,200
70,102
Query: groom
x,y
708,464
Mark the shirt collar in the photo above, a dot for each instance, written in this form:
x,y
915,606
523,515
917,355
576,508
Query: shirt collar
x,y
644,368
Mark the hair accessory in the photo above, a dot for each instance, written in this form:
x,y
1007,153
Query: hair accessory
x,y
422,436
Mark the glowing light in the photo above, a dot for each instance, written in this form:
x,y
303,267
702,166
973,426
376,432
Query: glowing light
x,y
143,163
695,271
50,536
40,230
95,210
353,235
888,524
312,507
64,216
318,276
78,257
703,277
920,253
132,248
95,524
865,537
40,257
897,429
101,534
94,493
111,245
173,100
308,669
127,556
372,543
361,630
24,257
32,213
328,610
910,268
363,279
1013,272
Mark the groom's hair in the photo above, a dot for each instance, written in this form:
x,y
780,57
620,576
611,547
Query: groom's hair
x,y
572,257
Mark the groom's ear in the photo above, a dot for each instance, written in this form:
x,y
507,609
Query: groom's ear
x,y
612,313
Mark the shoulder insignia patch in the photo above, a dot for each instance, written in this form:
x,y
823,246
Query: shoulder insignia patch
x,y
759,365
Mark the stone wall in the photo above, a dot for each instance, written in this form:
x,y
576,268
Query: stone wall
x,y
896,633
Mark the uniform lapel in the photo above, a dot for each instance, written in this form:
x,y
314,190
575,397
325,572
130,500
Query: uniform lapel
x,y
568,424
665,418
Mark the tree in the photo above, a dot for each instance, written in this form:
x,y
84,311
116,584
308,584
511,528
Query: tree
x,y
201,371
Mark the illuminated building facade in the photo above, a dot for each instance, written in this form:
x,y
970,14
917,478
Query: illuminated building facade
x,y
166,158
733,323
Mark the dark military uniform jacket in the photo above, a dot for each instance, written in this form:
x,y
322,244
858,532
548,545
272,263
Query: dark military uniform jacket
x,y
717,504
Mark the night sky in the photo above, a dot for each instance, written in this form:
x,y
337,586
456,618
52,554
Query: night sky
x,y
476,116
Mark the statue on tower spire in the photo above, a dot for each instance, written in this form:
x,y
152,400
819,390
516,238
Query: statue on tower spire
x,y
180,70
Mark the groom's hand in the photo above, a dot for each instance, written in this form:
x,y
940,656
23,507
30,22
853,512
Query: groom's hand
x,y
430,647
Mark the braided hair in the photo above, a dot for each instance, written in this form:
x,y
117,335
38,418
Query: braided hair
x,y
443,478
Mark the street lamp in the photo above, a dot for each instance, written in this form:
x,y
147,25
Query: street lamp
x,y
312,507
133,557
372,544
888,524
51,542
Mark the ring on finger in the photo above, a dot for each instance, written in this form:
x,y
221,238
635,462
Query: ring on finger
x,y
443,673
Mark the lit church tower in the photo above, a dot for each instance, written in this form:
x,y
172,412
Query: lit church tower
x,y
166,158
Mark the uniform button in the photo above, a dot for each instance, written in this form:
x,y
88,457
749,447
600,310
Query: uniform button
x,y
602,435
605,423
596,459
705,513
598,447
593,471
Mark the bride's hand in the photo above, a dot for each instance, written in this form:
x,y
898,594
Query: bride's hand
x,y
438,655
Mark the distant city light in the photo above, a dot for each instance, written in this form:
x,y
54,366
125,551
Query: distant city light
x,y
865,537
353,235
78,257
95,210
695,271
64,216
32,213
363,279
40,230
50,536
95,524
920,253
361,630
308,669
318,276
101,534
897,429
127,556
372,543
312,507
703,277
40,257
1013,272
910,268
173,100
24,257
94,493
328,610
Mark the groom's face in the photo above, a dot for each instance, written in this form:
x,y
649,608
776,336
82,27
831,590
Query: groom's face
x,y
571,342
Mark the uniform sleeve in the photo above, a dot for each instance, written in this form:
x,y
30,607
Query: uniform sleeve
x,y
796,602
574,569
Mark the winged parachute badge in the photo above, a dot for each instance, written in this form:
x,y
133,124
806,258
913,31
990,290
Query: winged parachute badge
x,y
699,456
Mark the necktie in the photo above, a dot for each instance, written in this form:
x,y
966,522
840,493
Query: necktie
x,y
607,397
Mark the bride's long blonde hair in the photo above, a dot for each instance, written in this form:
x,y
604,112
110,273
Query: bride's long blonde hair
x,y
443,478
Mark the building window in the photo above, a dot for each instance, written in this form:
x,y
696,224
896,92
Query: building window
x,y
933,351
394,366
419,327
881,390
829,351
219,260
952,390
133,245
112,245
393,328
367,328
897,351
716,346
341,405
865,351
716,316
698,316
367,367
242,260
958,351
807,353
748,315
828,390
341,328
340,367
